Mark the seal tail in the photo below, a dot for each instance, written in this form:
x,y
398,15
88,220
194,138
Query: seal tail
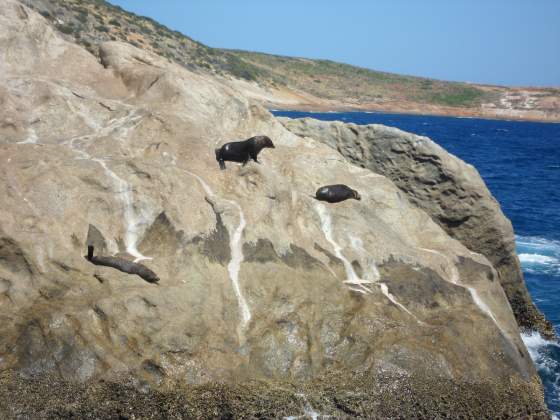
x,y
219,158
90,252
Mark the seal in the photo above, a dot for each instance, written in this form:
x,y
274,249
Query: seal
x,y
336,193
242,151
123,265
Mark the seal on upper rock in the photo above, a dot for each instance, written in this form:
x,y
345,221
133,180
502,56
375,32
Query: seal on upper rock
x,y
336,193
123,265
242,151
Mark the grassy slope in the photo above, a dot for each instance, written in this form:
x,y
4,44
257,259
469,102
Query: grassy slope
x,y
331,80
90,22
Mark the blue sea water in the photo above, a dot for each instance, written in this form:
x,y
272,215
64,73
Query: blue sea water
x,y
520,163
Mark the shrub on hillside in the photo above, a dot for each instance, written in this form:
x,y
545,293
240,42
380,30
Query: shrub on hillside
x,y
240,68
67,29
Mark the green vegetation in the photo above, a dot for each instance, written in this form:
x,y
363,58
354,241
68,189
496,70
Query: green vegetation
x,y
457,96
239,68
65,28
91,22
338,81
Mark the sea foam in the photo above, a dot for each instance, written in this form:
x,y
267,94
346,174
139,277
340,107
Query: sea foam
x,y
539,255
546,355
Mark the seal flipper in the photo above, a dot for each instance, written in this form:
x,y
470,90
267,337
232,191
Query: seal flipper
x,y
219,158
90,252
254,157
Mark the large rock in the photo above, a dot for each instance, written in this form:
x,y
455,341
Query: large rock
x,y
258,281
449,190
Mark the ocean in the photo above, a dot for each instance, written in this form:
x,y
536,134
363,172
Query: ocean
x,y
520,163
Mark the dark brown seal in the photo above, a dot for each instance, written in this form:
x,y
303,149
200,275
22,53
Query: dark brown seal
x,y
336,193
242,151
123,265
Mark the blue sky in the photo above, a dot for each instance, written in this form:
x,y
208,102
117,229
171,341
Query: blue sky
x,y
508,42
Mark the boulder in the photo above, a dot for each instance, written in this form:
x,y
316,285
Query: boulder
x,y
264,293
448,189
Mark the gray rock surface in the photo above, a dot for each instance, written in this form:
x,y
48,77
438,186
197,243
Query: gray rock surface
x,y
448,189
258,281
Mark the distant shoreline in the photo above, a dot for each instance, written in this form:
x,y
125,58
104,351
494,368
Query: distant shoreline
x,y
345,109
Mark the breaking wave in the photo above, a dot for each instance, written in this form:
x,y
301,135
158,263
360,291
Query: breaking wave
x,y
546,356
539,255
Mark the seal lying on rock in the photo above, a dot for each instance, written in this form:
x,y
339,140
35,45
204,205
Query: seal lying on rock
x,y
336,193
242,151
123,265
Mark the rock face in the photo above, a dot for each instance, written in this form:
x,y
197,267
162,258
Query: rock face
x,y
449,190
258,281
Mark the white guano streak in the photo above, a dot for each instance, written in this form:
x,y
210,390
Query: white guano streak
x,y
124,124
474,294
31,138
236,250
358,284
132,221
235,265
372,274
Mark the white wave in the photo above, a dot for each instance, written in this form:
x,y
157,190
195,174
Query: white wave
x,y
539,255
537,259
544,354
536,243
534,341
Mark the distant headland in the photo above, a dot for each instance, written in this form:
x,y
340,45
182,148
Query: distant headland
x,y
300,83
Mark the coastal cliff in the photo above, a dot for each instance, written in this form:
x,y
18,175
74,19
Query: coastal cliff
x,y
449,190
269,303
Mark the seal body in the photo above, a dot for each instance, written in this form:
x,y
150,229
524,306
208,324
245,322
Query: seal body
x,y
242,151
123,265
336,193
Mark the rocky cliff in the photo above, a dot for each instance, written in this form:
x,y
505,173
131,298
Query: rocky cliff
x,y
449,190
269,303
